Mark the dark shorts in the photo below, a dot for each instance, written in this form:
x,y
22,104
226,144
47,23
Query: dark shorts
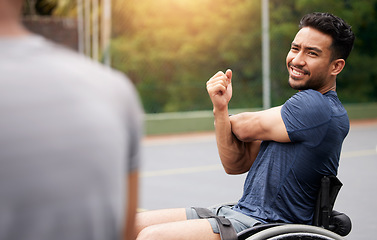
x,y
239,221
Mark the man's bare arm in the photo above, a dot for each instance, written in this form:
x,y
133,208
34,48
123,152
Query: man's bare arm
x,y
236,156
263,125
132,203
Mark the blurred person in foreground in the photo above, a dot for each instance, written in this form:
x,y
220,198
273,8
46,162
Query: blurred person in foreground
x,y
285,150
69,141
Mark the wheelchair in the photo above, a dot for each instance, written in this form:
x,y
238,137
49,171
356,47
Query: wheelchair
x,y
328,224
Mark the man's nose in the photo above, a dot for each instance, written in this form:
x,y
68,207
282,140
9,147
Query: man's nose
x,y
299,59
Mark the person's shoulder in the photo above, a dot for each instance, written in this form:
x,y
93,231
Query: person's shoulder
x,y
308,95
68,59
75,68
308,103
308,99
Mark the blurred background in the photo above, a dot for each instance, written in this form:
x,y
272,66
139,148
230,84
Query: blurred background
x,y
170,48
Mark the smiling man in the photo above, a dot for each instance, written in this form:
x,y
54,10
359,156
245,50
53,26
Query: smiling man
x,y
285,150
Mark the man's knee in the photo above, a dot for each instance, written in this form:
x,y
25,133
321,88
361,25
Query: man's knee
x,y
156,217
151,233
192,229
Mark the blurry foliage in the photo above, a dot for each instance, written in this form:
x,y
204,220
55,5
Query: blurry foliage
x,y
40,7
170,48
64,8
46,7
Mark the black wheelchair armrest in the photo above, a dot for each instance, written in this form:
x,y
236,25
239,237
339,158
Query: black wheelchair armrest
x,y
340,223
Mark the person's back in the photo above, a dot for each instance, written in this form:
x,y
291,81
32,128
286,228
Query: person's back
x,y
70,131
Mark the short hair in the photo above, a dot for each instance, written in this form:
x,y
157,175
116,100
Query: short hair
x,y
337,28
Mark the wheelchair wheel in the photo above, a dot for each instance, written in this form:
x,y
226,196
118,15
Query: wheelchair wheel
x,y
295,231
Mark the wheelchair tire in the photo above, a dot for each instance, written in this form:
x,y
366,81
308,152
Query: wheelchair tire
x,y
295,231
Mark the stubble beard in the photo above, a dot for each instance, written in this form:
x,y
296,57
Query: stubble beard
x,y
302,84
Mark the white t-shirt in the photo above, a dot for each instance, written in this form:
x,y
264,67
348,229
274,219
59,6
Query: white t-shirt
x,y
69,134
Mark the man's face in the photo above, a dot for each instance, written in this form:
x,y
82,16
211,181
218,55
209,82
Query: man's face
x,y
309,60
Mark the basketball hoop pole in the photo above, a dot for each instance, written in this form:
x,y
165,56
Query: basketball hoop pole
x,y
106,31
80,27
266,55
90,43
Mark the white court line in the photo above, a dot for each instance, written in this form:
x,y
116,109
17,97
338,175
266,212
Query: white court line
x,y
360,153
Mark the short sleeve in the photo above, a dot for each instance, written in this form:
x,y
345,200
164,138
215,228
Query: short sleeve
x,y
306,116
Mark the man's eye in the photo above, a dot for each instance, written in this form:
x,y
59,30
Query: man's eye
x,y
313,53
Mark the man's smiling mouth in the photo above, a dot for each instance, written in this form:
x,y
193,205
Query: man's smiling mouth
x,y
296,72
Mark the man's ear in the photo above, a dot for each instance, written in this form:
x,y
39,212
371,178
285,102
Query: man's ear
x,y
337,66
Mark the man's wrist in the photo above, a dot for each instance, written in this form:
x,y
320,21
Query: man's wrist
x,y
221,115
220,112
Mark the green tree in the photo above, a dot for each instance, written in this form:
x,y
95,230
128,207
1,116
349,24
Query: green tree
x,y
186,42
170,48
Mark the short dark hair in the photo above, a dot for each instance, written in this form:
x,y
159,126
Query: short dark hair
x,y
337,28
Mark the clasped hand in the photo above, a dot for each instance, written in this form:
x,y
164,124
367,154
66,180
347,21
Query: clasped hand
x,y
219,88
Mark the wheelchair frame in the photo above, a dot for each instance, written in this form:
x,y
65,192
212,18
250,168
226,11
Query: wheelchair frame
x,y
328,224
290,231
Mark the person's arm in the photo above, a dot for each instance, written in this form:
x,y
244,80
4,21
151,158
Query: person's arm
x,y
132,203
236,156
264,125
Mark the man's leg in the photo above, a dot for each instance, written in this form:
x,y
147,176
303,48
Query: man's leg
x,y
172,224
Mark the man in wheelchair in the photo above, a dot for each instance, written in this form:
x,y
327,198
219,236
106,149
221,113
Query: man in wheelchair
x,y
286,150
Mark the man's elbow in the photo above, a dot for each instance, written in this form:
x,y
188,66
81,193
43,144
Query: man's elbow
x,y
241,133
243,136
235,171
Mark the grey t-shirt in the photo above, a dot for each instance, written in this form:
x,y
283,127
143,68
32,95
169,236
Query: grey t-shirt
x,y
69,135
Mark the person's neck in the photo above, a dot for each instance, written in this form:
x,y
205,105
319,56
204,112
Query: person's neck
x,y
12,28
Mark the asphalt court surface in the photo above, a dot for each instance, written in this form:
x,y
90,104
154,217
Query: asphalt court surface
x,y
185,170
